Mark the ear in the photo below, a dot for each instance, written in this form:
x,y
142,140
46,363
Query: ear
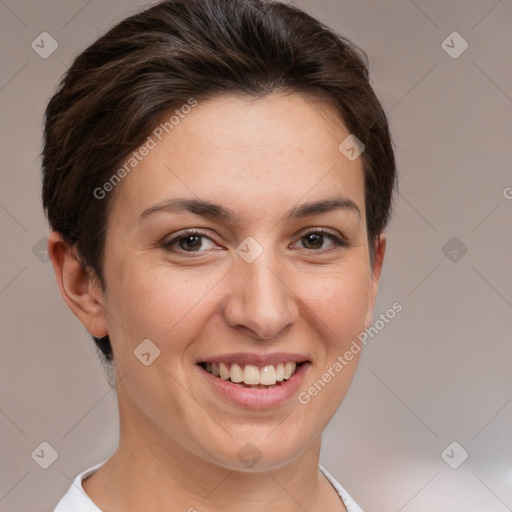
x,y
380,249
80,288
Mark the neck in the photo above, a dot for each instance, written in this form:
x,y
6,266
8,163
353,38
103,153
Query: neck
x,y
152,472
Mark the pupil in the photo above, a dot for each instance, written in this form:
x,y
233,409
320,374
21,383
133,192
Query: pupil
x,y
194,239
314,238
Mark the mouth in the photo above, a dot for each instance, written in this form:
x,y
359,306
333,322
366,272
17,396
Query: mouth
x,y
253,376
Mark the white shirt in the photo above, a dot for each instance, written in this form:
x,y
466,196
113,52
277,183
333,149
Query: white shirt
x,y
76,499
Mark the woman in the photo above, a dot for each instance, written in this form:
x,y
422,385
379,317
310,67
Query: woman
x,y
218,175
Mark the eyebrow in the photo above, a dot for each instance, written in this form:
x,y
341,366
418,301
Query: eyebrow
x,y
216,211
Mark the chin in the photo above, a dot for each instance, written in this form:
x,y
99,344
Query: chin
x,y
262,451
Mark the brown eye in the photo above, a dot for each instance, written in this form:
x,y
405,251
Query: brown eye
x,y
314,240
190,241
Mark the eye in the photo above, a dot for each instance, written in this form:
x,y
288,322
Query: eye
x,y
189,241
315,239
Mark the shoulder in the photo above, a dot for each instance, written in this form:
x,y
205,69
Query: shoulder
x,y
76,499
349,503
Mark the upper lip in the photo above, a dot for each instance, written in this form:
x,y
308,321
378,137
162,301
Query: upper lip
x,y
256,359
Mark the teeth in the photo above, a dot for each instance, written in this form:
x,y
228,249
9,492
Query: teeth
x,y
289,368
268,375
236,374
223,371
252,375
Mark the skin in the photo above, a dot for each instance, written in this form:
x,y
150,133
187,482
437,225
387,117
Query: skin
x,y
178,438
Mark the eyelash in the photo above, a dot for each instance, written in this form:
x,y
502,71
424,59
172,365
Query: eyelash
x,y
340,242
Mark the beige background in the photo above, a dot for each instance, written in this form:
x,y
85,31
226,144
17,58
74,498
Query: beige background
x,y
439,372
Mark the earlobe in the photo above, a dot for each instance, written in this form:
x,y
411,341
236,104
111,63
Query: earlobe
x,y
80,290
380,250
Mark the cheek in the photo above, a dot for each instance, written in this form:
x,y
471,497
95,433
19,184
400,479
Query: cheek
x,y
338,307
160,304
340,301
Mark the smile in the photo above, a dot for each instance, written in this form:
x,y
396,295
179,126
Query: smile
x,y
252,380
249,375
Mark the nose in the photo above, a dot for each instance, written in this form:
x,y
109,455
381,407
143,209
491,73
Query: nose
x,y
259,300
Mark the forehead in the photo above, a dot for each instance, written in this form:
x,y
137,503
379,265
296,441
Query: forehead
x,y
247,153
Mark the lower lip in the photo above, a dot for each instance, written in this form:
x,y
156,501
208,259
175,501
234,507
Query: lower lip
x,y
257,398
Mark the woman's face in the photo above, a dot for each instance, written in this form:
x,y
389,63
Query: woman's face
x,y
276,274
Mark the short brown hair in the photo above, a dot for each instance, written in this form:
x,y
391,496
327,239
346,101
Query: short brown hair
x,y
122,85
